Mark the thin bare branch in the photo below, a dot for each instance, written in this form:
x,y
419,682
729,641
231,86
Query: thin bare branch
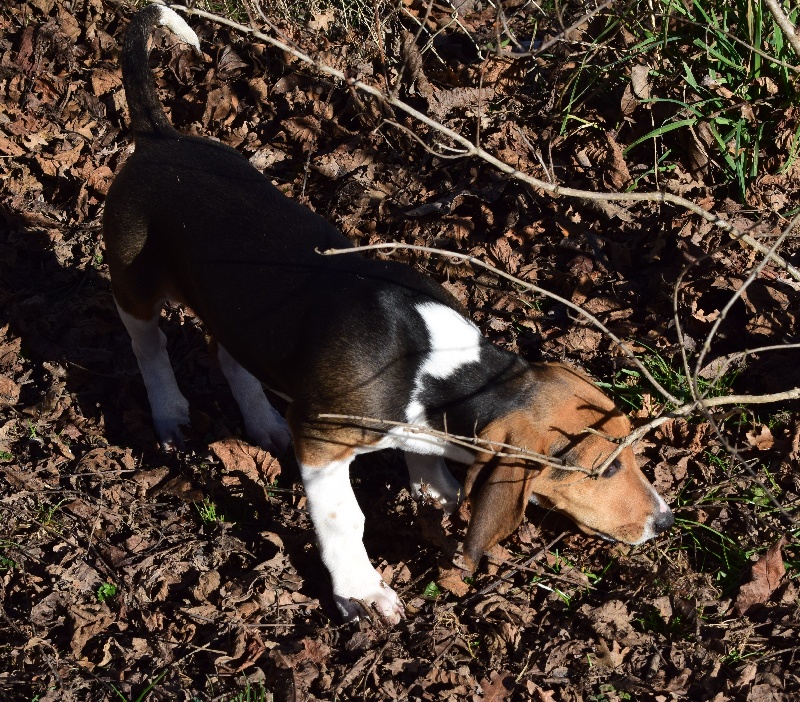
x,y
457,154
472,150
701,405
788,29
393,246
578,23
729,360
474,443
737,294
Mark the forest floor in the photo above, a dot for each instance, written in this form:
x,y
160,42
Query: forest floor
x,y
127,573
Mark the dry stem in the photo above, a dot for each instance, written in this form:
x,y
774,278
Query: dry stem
x,y
701,404
471,149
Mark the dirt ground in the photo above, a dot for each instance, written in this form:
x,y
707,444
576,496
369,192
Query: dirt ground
x,y
128,573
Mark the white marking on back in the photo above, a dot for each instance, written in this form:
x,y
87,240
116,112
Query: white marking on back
x,y
177,25
455,340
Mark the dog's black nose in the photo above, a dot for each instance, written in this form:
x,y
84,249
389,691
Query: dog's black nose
x,y
663,521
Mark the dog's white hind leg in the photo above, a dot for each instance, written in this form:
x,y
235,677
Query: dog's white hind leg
x,y
169,407
430,476
262,422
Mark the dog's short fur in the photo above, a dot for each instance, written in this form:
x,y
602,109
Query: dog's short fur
x,y
191,220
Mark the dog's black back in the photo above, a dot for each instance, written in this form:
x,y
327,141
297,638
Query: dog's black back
x,y
183,210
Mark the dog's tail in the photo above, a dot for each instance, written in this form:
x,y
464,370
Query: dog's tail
x,y
147,115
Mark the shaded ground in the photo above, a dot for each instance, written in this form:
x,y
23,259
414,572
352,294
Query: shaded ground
x,y
122,567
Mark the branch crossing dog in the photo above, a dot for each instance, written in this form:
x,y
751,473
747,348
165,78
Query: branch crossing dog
x,y
190,220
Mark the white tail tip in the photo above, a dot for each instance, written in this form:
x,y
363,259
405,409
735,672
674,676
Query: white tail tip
x,y
177,25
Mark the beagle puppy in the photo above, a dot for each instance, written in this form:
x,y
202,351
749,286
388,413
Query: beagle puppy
x,y
190,220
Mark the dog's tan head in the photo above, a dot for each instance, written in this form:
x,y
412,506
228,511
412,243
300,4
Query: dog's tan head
x,y
618,504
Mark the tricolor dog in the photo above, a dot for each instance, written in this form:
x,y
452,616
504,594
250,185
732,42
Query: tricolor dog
x,y
190,220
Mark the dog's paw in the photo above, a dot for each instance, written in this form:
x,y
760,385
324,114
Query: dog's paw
x,y
448,498
168,425
431,479
381,602
272,435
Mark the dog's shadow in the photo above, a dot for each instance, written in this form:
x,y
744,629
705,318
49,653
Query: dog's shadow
x,y
76,354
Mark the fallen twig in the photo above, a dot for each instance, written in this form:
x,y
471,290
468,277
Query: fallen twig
x,y
471,149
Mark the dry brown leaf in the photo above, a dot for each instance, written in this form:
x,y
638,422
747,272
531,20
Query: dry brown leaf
x,y
537,694
221,106
581,339
321,20
88,621
616,169
247,649
148,479
9,147
611,620
611,657
207,583
303,130
68,24
452,580
765,576
9,391
497,688
238,456
104,81
230,64
766,693
760,438
182,488
345,159
640,81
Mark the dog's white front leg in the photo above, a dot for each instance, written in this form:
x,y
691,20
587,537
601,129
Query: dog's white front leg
x,y
169,407
339,524
430,476
262,422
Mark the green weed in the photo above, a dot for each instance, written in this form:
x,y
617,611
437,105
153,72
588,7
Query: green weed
x,y
272,488
608,692
432,591
720,76
252,693
46,514
714,552
231,9
106,591
208,512
629,386
144,693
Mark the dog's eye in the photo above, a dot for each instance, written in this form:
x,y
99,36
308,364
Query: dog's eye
x,y
612,470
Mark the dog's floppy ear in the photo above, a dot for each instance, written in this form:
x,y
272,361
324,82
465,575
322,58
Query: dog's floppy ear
x,y
499,488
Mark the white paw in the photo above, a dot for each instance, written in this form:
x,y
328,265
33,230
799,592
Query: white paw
x,y
168,423
379,600
272,435
431,479
448,498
